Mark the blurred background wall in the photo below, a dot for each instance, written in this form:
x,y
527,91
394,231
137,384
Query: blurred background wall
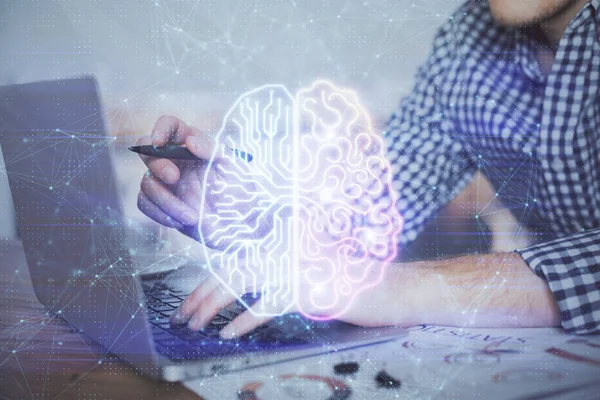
x,y
193,58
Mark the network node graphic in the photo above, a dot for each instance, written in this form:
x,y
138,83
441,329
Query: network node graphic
x,y
310,221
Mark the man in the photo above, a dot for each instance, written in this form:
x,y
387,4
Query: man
x,y
510,90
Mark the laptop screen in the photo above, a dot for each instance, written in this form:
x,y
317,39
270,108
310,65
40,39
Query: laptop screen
x,y
60,174
59,168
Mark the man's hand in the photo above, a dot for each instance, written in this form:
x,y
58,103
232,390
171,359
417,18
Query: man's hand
x,y
377,306
172,190
494,290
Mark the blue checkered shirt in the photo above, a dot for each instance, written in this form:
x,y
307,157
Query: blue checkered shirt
x,y
482,103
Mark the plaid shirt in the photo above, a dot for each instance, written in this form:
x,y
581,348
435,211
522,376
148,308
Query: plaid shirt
x,y
482,103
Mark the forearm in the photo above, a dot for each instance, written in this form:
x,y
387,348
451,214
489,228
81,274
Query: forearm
x,y
494,290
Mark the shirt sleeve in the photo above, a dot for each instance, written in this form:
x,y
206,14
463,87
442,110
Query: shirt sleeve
x,y
429,162
571,267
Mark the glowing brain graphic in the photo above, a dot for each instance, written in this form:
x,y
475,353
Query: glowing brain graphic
x,y
310,221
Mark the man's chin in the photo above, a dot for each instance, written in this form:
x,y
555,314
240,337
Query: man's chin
x,y
515,21
516,14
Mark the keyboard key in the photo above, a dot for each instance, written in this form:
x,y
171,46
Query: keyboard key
x,y
162,307
227,314
219,321
175,301
161,324
153,314
160,317
161,295
168,313
160,285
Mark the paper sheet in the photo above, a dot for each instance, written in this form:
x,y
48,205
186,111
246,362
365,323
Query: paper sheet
x,y
432,362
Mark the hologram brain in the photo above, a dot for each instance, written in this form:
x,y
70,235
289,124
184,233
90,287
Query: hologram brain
x,y
310,221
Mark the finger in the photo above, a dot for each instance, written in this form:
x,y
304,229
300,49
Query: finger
x,y
217,300
169,129
165,169
193,301
248,321
161,196
154,212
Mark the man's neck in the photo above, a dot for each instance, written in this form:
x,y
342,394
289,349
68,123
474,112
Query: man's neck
x,y
555,27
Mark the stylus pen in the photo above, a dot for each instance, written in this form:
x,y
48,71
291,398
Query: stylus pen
x,y
175,152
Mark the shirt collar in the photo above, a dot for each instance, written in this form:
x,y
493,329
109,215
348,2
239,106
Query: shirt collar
x,y
527,44
596,5
526,49
589,11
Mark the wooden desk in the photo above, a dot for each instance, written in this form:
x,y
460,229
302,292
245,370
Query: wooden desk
x,y
50,360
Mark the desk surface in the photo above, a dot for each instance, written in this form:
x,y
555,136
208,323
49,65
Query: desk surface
x,y
50,361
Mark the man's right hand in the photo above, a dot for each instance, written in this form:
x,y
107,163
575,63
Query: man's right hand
x,y
172,191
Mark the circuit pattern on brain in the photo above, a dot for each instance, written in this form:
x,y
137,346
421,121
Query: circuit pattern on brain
x,y
310,221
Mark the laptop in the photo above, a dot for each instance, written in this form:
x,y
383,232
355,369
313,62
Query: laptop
x,y
58,161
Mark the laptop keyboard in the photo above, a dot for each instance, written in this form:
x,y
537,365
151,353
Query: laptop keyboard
x,y
179,342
